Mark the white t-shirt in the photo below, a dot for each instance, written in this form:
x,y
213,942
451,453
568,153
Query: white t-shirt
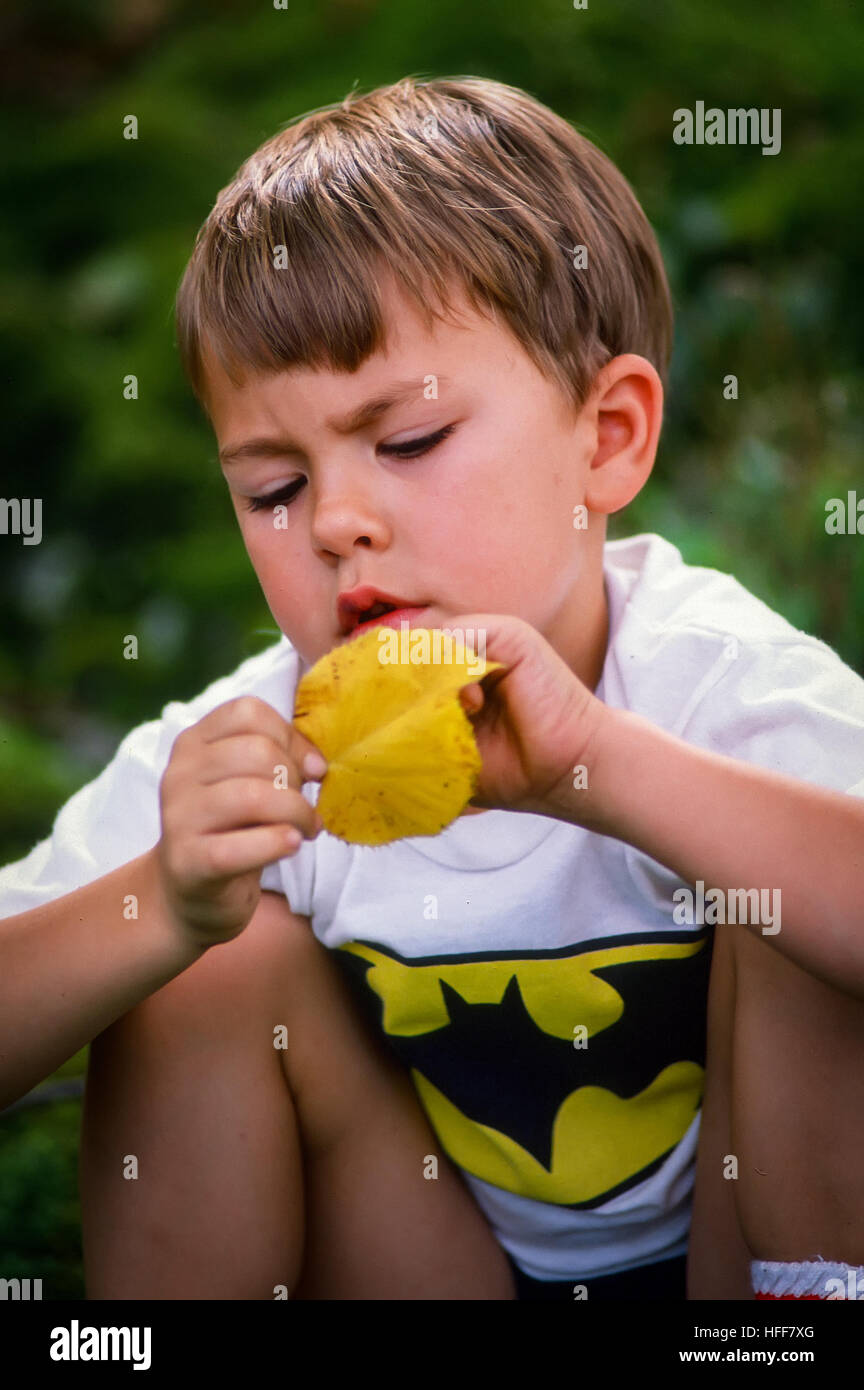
x,y
531,975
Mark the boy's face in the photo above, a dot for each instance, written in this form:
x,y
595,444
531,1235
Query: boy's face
x,y
482,522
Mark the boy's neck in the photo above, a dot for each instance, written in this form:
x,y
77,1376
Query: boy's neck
x,y
580,632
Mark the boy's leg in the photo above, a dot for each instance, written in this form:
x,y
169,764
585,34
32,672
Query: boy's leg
x,y
798,1087
376,1226
204,1147
718,1259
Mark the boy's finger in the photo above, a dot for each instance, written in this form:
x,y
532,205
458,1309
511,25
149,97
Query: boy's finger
x,y
245,715
306,756
248,714
257,755
240,802
472,698
239,851
314,765
245,755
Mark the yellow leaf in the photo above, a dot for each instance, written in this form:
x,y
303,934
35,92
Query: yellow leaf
x,y
402,758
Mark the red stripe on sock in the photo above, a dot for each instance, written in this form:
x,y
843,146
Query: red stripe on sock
x,y
795,1297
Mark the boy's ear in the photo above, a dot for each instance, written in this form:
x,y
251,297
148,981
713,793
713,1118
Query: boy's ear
x,y
624,413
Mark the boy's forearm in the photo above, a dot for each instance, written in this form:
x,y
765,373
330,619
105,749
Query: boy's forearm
x,y
730,825
70,968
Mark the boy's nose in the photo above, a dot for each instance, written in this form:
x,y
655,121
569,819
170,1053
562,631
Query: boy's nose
x,y
343,520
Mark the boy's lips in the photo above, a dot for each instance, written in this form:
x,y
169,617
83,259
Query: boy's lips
x,y
392,619
354,607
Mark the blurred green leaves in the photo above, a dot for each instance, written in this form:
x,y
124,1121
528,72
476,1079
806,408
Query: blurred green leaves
x,y
765,260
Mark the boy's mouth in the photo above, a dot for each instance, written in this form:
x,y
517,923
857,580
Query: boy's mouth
x,y
366,607
394,618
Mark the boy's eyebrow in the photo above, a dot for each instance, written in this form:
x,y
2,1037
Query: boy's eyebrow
x,y
363,415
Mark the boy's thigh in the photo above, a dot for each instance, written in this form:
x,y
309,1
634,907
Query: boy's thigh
x,y
383,1221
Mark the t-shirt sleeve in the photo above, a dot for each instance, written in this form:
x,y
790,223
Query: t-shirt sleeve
x,y
116,817
794,708
108,822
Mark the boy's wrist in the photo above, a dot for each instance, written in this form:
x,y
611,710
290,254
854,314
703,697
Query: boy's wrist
x,y
591,793
622,776
176,938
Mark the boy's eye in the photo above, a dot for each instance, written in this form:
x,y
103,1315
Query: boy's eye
x,y
411,448
284,494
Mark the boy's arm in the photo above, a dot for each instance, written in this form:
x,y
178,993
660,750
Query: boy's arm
x,y
71,967
718,1260
728,824
732,826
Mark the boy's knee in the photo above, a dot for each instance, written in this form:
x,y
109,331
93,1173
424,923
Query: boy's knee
x,y
275,939
240,983
276,986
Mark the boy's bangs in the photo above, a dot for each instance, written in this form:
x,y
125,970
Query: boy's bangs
x,y
303,296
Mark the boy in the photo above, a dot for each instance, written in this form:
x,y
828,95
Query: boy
x,y
529,966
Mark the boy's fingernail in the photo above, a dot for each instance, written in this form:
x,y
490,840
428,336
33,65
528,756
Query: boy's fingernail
x,y
314,765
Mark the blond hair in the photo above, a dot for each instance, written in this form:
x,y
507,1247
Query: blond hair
x,y
451,177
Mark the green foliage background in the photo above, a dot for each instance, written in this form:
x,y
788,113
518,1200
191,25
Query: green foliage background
x,y
764,255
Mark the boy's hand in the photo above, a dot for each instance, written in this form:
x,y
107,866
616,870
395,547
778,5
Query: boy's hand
x,y
533,722
225,814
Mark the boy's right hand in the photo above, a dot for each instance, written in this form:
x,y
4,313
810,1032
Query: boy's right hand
x,y
227,810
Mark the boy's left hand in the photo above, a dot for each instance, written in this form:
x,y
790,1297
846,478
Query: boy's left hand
x,y
533,722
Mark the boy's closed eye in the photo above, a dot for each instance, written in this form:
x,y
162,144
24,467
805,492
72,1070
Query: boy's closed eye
x,y
409,449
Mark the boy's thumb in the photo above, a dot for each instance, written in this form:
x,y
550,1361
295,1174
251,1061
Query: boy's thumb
x,y
314,765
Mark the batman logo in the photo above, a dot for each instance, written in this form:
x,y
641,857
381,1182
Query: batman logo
x,y
567,1075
